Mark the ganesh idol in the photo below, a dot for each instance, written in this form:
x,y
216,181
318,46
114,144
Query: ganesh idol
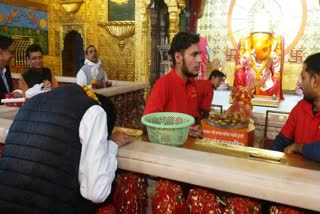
x,y
259,63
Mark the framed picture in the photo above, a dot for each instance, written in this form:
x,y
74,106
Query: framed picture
x,y
121,10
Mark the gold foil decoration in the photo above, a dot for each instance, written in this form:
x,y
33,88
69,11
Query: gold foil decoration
x,y
120,30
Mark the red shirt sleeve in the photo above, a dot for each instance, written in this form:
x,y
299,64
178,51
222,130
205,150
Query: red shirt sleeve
x,y
155,102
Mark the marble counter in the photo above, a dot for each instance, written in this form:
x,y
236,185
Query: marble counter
x,y
290,100
127,97
273,182
121,88
268,181
7,112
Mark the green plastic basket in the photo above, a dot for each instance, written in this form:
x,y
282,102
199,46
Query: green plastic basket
x,y
168,128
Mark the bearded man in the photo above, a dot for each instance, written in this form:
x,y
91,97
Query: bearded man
x,y
177,90
301,132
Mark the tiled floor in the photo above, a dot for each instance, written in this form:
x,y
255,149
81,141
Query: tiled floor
x,y
222,98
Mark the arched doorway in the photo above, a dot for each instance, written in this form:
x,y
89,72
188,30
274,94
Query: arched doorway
x,y
72,54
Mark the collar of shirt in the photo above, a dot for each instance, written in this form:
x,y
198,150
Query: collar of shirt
x,y
179,80
308,109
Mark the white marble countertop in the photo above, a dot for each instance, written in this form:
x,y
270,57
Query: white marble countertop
x,y
65,79
284,184
7,112
290,100
121,88
268,181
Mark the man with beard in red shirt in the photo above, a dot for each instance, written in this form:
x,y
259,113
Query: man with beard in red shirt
x,y
301,132
177,90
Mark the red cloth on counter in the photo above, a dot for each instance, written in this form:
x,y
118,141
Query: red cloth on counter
x,y
130,194
168,198
284,210
242,204
203,201
302,126
107,209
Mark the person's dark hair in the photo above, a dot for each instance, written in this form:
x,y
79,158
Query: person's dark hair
x,y
216,73
180,42
90,46
312,64
5,42
109,108
33,48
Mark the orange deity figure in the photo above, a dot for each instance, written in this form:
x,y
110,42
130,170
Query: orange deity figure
x,y
259,64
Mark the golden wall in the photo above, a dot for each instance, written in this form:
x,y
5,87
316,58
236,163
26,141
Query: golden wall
x,y
132,63
117,64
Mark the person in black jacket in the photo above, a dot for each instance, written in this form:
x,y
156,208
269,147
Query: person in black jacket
x,y
37,74
59,155
7,52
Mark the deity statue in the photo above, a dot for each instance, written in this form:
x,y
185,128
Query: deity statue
x,y
244,75
259,60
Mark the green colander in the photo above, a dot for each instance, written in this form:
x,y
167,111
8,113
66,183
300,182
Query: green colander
x,y
168,128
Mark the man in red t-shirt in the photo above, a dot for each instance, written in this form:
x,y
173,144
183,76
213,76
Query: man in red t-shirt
x,y
301,132
205,96
177,90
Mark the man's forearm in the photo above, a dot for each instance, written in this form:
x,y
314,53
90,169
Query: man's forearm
x,y
280,143
312,151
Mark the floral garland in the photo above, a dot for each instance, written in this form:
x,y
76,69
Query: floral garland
x,y
253,62
90,93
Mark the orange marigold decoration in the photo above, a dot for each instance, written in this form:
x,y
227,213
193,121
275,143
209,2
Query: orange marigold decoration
x,y
130,194
168,198
241,98
94,84
202,201
90,93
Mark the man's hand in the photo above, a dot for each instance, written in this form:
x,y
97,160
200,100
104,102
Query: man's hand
x,y
47,84
294,148
121,138
18,94
196,131
100,84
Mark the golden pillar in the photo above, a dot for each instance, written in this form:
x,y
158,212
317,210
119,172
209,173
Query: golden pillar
x,y
142,41
174,9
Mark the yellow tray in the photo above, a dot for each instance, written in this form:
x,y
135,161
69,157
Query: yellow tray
x,y
132,132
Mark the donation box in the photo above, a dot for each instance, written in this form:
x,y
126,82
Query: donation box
x,y
244,136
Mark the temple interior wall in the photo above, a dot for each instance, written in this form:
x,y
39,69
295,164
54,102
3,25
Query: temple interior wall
x,y
214,26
